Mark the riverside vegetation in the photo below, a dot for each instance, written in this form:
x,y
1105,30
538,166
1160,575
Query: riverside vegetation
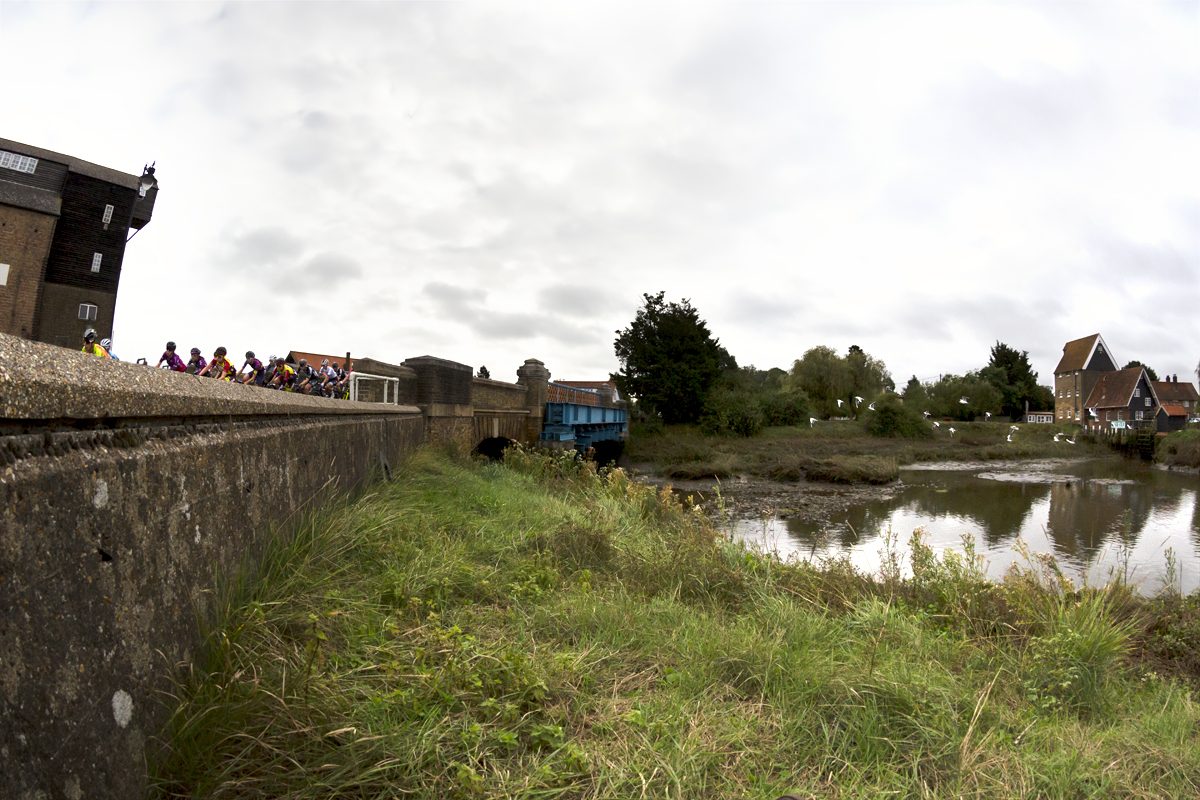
x,y
538,629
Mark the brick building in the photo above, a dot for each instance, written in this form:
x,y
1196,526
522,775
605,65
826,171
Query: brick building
x,y
1083,363
64,223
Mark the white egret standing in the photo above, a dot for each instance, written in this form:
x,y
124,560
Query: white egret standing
x,y
812,421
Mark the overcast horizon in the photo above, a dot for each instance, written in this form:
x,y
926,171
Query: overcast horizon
x,y
490,182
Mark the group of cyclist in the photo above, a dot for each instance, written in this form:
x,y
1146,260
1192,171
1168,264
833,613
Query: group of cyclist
x,y
328,380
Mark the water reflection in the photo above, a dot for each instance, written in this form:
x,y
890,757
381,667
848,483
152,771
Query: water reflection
x,y
1094,517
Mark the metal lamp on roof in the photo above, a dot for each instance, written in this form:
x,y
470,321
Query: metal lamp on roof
x,y
147,181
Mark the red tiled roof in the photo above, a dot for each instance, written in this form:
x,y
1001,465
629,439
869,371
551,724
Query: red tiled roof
x,y
313,359
1174,410
1075,354
1169,391
1114,388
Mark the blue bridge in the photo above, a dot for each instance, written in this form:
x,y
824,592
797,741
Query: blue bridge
x,y
574,414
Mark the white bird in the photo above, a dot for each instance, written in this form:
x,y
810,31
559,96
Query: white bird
x,y
857,400
1072,441
927,414
987,414
839,403
1010,437
963,400
1056,436
1014,428
1092,411
812,421
952,431
872,406
936,425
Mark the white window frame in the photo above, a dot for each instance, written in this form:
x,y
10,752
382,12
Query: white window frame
x,y
1137,391
1147,402
17,162
108,212
87,311
97,259
3,274
1139,415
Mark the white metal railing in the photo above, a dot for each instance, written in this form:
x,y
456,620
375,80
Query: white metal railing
x,y
392,382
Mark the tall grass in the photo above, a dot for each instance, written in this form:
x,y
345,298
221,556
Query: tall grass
x,y
543,629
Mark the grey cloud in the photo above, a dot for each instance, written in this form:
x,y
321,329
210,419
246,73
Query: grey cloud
x,y
757,309
276,258
330,269
577,300
265,247
453,299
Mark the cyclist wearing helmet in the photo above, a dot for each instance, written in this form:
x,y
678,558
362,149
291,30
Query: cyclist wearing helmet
x,y
197,362
284,377
327,376
256,370
173,361
305,375
89,344
219,367
107,345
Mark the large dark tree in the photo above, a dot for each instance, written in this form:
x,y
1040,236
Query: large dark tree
x,y
1011,373
669,360
1151,374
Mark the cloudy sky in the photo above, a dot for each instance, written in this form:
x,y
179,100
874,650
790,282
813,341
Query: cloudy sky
x,y
495,181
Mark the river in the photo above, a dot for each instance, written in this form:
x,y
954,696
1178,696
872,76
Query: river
x,y
1094,517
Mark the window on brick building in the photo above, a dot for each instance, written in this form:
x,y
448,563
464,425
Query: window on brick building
x,y
96,259
19,163
87,311
3,274
108,214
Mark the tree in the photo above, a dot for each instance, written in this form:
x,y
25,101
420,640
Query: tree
x,y
1010,372
483,373
1151,374
914,394
824,377
868,377
669,360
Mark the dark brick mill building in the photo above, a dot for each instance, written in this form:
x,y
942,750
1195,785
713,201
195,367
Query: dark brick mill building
x,y
64,223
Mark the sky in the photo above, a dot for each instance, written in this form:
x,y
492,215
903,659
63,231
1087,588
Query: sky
x,y
494,181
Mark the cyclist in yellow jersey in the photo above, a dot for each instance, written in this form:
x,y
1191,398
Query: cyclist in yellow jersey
x,y
89,344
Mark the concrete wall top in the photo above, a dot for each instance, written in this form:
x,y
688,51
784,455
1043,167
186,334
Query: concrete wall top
x,y
373,367
43,382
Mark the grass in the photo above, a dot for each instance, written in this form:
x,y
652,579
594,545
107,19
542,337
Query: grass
x,y
842,452
1180,449
539,630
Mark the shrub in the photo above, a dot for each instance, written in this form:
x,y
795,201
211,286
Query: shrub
x,y
732,411
892,418
785,408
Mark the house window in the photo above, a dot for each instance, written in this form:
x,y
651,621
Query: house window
x,y
1068,393
1060,413
1099,348
1107,416
96,258
1138,415
108,209
4,275
87,311
1120,415
19,163
1137,392
1147,402
1068,413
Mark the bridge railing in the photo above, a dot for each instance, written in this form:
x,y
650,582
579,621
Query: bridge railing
x,y
557,393
375,385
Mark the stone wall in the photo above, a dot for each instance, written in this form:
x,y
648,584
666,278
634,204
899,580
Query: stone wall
x,y
126,492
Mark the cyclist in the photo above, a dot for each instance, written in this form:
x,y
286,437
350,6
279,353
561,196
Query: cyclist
x,y
90,347
197,362
305,375
256,370
219,367
326,376
174,362
285,376
107,345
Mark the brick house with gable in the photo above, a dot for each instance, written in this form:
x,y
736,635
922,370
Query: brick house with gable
x,y
1179,403
1123,396
1083,363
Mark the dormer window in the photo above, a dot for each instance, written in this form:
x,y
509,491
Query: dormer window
x,y
19,163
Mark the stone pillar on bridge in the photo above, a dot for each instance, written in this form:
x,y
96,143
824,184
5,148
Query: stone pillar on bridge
x,y
444,396
534,376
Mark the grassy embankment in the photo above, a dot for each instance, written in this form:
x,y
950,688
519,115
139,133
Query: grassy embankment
x,y
536,630
843,452
1180,449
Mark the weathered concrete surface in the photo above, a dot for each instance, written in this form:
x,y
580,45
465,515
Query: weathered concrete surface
x,y
111,541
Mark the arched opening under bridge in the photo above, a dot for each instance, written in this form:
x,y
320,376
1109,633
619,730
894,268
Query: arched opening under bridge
x,y
493,447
